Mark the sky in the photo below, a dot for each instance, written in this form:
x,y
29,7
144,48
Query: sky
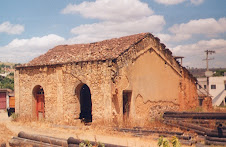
x,y
187,27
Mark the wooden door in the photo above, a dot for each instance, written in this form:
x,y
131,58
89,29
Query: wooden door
x,y
2,100
12,102
40,106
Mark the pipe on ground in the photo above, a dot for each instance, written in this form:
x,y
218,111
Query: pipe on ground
x,y
72,141
185,128
17,141
207,142
149,131
195,115
44,139
215,139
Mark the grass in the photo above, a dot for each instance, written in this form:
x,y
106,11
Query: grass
x,y
164,142
219,109
86,143
14,117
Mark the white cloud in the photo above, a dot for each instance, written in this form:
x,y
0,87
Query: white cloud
x,y
218,45
175,2
194,53
197,2
170,2
23,50
208,27
106,29
110,10
166,38
118,18
7,27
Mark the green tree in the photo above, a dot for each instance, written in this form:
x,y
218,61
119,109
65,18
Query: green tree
x,y
219,72
6,83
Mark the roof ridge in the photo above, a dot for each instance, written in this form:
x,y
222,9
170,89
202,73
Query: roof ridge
x,y
102,50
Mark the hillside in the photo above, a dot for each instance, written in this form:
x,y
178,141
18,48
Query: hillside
x,y
7,75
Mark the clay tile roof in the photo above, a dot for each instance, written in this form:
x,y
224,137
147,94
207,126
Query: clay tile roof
x,y
103,50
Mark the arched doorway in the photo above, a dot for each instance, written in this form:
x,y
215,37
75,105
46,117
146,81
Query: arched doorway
x,y
38,93
85,104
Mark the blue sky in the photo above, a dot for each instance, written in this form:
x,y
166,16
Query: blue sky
x,y
187,27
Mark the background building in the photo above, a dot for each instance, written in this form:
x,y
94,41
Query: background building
x,y
4,98
217,89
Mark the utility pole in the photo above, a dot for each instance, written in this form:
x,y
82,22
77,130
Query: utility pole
x,y
208,73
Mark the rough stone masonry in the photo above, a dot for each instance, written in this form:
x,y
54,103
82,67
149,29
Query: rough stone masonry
x,y
129,79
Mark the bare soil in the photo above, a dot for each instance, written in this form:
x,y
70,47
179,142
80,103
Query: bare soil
x,y
99,133
105,134
5,133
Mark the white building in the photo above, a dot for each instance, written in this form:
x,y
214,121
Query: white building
x,y
217,89
5,74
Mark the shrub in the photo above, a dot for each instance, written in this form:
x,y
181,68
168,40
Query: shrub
x,y
175,141
163,142
14,116
87,143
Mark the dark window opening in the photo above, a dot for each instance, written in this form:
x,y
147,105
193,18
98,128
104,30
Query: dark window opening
x,y
200,102
204,86
224,86
85,104
213,86
126,103
200,86
40,91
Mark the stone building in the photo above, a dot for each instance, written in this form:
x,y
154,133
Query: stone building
x,y
129,78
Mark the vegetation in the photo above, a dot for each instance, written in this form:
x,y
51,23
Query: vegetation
x,y
2,66
200,72
219,72
87,143
175,141
5,65
11,75
164,142
6,82
14,117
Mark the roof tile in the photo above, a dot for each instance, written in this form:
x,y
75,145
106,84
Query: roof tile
x,y
103,50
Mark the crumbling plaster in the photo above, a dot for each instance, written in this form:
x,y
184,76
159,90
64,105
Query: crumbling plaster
x,y
147,69
147,75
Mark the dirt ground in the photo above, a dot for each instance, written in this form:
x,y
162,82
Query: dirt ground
x,y
98,133
9,128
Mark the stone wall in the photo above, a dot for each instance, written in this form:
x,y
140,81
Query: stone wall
x,y
27,80
207,104
147,71
152,110
61,86
188,98
97,76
